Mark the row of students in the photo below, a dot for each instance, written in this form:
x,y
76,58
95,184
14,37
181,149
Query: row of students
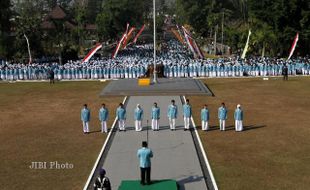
x,y
172,114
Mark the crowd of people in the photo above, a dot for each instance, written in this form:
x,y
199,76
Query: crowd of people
x,y
134,62
172,114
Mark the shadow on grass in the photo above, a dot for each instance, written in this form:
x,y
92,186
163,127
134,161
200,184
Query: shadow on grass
x,y
98,131
232,127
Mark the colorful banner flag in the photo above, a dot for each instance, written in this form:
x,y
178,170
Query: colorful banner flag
x,y
92,52
139,33
178,35
192,44
118,46
246,46
293,46
128,37
28,45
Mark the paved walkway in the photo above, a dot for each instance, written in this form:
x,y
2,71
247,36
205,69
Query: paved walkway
x,y
175,156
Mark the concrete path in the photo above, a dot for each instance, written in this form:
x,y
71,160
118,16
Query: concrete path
x,y
175,156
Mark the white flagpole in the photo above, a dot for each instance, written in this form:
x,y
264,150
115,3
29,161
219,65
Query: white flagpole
x,y
154,25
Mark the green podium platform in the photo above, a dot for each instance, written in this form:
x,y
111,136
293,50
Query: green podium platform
x,y
156,185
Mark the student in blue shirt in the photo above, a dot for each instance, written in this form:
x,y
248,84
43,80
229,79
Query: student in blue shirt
x,y
187,114
222,116
155,117
85,117
138,115
103,117
144,155
238,118
172,114
121,117
205,118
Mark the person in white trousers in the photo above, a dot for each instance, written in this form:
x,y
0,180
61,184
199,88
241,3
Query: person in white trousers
x,y
205,118
121,117
222,116
172,114
238,118
155,117
103,117
85,117
187,114
138,115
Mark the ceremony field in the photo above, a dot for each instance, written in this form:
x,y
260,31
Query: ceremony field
x,y
41,123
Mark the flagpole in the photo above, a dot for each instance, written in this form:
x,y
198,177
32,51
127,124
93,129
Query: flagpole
x,y
154,26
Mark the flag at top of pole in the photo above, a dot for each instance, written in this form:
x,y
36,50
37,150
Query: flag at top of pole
x,y
293,46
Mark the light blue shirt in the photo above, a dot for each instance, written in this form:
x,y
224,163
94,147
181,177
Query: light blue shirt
x,y
145,155
85,115
187,110
222,113
172,112
205,114
155,113
103,114
138,114
121,113
238,114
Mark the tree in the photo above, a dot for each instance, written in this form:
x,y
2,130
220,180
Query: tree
x,y
116,14
4,27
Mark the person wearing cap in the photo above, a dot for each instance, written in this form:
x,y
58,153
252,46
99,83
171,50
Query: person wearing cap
x,y
144,155
222,116
205,118
121,117
172,114
155,117
238,118
187,114
102,182
85,117
103,117
138,115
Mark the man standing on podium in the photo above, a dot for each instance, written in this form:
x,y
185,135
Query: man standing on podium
x,y
145,154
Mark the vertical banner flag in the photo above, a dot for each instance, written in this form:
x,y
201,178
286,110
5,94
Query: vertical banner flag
x,y
92,52
246,45
128,37
139,33
118,46
293,46
28,45
192,43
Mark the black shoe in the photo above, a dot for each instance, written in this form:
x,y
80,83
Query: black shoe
x,y
142,183
185,129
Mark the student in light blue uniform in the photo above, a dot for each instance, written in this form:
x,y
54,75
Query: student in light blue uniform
x,y
187,114
204,115
85,117
155,117
172,114
238,115
222,116
144,155
103,117
121,117
138,116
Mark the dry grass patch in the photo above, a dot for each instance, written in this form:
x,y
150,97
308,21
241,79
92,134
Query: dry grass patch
x,y
39,122
274,151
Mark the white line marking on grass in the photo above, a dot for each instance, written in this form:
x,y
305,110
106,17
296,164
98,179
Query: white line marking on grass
x,y
203,152
101,152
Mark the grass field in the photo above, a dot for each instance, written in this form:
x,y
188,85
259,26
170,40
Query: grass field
x,y
274,151
39,122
